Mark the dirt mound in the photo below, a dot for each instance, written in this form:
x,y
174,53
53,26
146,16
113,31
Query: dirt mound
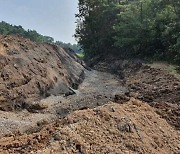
x,y
133,127
160,89
30,71
154,85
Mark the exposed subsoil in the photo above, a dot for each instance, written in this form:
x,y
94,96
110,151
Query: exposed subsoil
x,y
123,106
154,85
132,127
98,88
30,71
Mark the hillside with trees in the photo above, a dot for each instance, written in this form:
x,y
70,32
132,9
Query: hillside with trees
x,y
75,47
8,29
33,35
147,29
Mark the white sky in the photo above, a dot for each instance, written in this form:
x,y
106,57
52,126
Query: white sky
x,y
55,18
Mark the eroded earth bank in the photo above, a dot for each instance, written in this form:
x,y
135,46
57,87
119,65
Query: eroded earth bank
x,y
51,102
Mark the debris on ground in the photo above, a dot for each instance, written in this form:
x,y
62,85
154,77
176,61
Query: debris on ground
x,y
51,102
154,85
129,128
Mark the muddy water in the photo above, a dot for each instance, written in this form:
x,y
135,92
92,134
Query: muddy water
x,y
97,89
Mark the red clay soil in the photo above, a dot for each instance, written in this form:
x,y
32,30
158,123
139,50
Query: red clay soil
x,y
132,127
30,71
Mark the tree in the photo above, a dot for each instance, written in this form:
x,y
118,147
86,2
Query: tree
x,y
130,28
75,47
95,25
8,29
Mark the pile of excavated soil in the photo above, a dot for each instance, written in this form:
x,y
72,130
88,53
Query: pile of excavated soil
x,y
30,71
132,127
160,89
146,82
154,84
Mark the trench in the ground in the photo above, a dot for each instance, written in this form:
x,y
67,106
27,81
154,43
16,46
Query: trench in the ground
x,y
98,88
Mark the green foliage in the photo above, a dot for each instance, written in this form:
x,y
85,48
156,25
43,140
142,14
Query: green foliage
x,y
80,55
75,47
7,29
172,69
141,28
95,26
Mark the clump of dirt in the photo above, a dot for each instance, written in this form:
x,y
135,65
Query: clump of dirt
x,y
132,127
160,89
122,68
156,86
30,71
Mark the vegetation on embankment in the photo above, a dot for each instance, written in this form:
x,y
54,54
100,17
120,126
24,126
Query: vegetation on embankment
x,y
8,29
147,29
80,55
33,35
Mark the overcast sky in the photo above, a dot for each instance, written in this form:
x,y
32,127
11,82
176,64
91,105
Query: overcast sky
x,y
48,17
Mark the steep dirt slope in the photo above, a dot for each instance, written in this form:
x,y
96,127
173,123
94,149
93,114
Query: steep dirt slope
x,y
132,127
31,71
